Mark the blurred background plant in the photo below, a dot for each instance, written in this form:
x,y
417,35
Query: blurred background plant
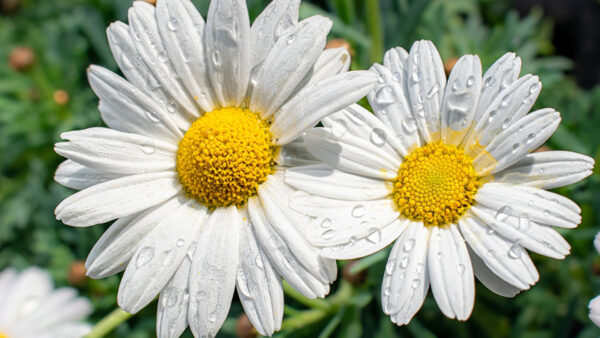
x,y
47,46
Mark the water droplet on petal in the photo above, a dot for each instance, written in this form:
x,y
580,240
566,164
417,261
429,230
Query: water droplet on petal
x,y
515,147
505,101
524,223
546,212
172,106
173,24
384,96
460,269
533,88
216,58
489,82
152,117
390,266
416,75
470,81
375,236
409,245
416,282
145,256
291,38
409,125
433,90
404,262
397,76
530,138
504,213
506,123
259,262
455,85
378,137
380,79
325,223
212,317
327,234
148,149
162,56
359,211
338,128
515,251
180,242
491,115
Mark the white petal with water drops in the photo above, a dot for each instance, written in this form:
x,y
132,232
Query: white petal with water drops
x,y
451,272
322,180
489,279
159,255
258,285
331,62
547,169
406,280
227,50
116,152
117,198
181,28
497,78
174,300
214,267
76,176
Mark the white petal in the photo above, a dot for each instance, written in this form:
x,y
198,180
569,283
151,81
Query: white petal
x,y
376,240
520,229
125,108
331,62
112,151
280,256
117,198
181,28
227,38
8,277
59,308
258,285
361,123
351,154
390,100
76,176
322,180
594,307
506,110
114,249
310,105
288,62
499,76
516,141
426,81
272,22
159,255
274,197
461,98
173,302
507,260
597,242
540,206
139,74
547,169
490,279
406,280
341,222
143,28
213,274
451,272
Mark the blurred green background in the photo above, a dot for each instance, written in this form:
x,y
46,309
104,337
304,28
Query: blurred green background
x,y
44,91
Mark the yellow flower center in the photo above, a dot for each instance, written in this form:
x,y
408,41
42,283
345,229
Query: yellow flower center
x,y
436,184
3,335
224,156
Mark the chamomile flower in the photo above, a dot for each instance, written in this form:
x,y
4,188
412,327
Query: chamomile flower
x,y
192,166
31,307
444,169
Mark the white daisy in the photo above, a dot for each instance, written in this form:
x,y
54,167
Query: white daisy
x,y
437,166
31,307
192,166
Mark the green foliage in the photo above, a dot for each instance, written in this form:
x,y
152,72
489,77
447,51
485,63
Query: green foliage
x,y
68,35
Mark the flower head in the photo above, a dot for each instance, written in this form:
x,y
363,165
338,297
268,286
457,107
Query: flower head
x,y
192,166
31,307
443,169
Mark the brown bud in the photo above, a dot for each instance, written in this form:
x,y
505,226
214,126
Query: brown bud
x,y
339,43
449,64
21,58
77,272
60,97
354,279
152,2
10,6
542,148
244,328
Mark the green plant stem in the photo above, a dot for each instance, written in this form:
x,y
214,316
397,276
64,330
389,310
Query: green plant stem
x,y
373,24
313,303
109,323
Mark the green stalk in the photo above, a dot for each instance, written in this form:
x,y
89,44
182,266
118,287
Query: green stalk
x,y
375,31
109,323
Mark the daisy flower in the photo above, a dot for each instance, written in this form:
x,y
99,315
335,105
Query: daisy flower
x,y
444,169
31,307
191,166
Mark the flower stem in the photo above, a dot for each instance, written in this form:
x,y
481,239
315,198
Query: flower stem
x,y
375,29
109,323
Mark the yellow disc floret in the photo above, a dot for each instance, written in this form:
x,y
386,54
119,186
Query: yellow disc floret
x,y
436,184
2,335
224,156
